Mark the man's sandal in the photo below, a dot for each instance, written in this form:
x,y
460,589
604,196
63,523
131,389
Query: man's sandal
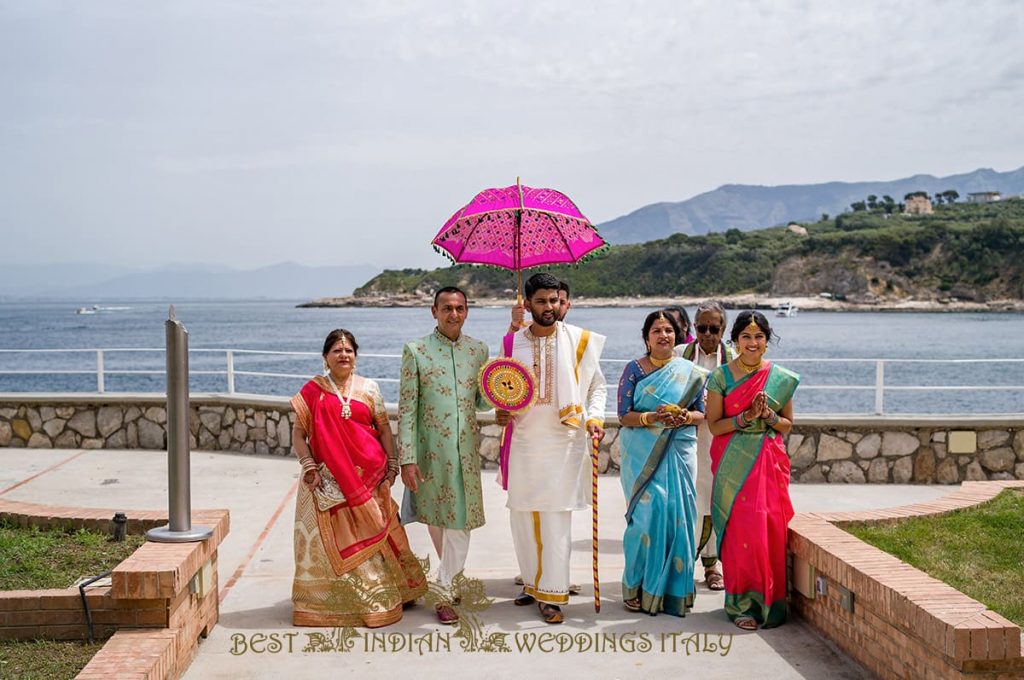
x,y
446,614
551,613
523,599
714,580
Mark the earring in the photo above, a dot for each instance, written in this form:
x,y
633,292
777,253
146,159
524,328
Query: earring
x,y
326,368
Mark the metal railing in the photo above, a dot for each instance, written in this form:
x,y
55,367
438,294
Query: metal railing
x,y
231,372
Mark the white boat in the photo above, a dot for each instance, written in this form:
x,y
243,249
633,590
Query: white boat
x,y
786,309
96,309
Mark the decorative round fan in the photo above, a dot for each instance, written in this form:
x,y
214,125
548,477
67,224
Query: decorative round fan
x,y
508,385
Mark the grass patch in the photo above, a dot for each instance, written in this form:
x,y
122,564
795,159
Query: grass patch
x,y
979,551
45,659
33,559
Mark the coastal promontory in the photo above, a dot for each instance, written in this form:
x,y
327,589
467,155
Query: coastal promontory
x,y
959,257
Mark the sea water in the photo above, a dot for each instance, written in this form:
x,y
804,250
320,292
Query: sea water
x,y
281,326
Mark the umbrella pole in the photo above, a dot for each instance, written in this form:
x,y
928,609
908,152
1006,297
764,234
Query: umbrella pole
x,y
515,248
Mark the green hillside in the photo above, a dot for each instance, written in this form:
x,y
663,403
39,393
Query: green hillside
x,y
972,252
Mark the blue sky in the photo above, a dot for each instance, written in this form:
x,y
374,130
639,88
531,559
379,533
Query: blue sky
x,y
248,133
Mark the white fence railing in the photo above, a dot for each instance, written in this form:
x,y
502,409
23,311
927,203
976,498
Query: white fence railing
x,y
230,372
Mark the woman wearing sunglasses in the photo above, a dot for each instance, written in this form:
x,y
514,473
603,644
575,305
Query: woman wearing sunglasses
x,y
709,352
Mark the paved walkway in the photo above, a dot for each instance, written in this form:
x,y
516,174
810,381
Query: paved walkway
x,y
255,563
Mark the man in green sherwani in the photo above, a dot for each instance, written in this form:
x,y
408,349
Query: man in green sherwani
x,y
437,436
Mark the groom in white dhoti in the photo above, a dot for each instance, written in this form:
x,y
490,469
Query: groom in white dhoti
x,y
549,459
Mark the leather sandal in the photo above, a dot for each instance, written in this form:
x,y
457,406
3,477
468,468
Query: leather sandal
x,y
714,580
745,623
632,605
446,614
551,613
523,599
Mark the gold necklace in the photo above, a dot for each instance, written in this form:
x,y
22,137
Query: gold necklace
x,y
747,368
345,399
658,363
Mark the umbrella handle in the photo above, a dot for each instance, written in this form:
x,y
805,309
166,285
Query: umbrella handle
x,y
519,296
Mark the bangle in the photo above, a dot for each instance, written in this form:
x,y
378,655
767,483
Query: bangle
x,y
773,419
688,419
643,419
307,463
739,422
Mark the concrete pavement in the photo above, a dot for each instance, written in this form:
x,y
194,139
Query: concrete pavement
x,y
256,567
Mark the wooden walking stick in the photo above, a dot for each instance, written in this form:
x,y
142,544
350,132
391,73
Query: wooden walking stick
x,y
593,513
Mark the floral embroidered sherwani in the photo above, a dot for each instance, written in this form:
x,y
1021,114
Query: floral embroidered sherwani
x,y
437,429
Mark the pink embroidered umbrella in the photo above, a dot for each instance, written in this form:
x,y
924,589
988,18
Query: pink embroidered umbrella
x,y
518,227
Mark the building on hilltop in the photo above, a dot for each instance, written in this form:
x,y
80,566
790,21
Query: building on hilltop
x,y
917,204
984,197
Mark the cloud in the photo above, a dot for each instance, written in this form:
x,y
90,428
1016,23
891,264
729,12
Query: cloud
x,y
240,117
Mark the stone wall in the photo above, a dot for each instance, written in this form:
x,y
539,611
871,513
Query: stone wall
x,y
907,452
835,449
253,425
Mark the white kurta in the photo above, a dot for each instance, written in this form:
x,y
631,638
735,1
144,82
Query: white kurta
x,y
709,553
549,462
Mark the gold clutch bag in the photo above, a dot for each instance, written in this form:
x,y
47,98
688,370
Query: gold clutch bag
x,y
328,494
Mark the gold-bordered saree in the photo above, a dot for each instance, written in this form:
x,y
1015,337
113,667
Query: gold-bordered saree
x,y
353,565
658,475
750,505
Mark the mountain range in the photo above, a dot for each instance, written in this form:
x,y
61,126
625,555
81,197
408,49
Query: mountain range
x,y
89,282
746,207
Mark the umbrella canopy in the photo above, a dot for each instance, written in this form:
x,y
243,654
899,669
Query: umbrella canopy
x,y
518,227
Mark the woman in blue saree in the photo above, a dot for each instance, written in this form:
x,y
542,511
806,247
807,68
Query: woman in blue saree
x,y
660,403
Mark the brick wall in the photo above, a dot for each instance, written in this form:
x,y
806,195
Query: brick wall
x,y
153,616
891,617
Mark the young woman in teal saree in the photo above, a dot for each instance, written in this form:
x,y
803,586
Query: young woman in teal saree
x,y
660,401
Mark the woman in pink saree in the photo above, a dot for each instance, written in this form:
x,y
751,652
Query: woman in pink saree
x,y
353,565
749,409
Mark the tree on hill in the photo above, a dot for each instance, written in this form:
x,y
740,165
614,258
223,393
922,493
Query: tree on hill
x,y
872,202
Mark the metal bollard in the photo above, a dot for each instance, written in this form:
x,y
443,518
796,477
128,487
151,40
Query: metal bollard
x,y
179,528
120,526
